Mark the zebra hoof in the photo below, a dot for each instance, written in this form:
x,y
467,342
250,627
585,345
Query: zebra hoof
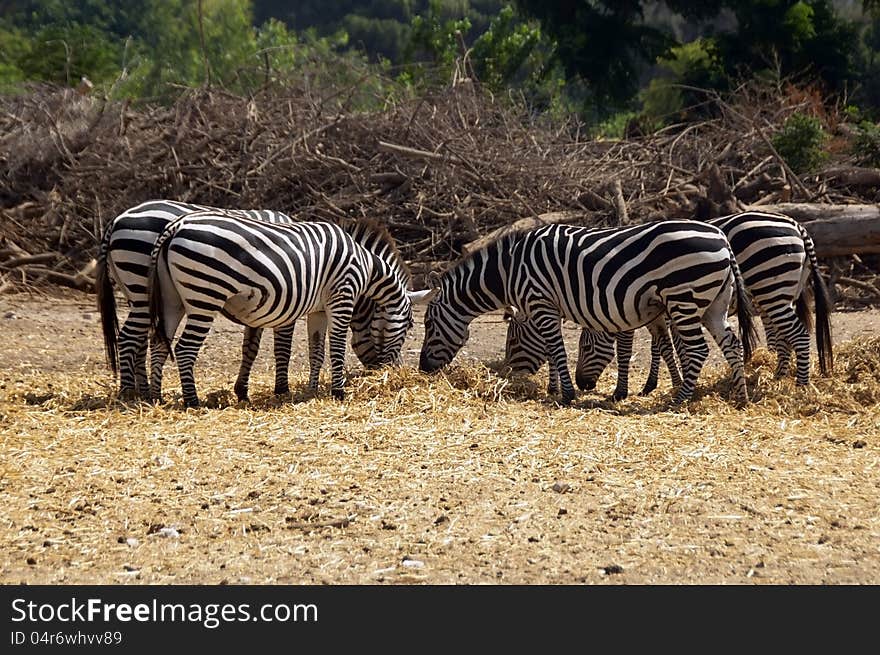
x,y
647,390
281,390
130,393
617,396
191,404
567,397
241,393
338,394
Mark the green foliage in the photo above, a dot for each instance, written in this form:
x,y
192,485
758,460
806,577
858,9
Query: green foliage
x,y
800,142
614,127
502,51
433,46
695,64
867,144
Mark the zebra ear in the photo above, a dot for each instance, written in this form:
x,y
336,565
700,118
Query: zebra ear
x,y
510,313
433,280
422,297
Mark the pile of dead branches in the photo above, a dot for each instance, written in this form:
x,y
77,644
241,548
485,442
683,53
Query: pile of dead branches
x,y
441,170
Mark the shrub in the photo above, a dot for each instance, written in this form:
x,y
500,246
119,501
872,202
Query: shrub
x,y
800,142
867,144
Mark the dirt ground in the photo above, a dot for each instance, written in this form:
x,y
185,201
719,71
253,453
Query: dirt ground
x,y
420,481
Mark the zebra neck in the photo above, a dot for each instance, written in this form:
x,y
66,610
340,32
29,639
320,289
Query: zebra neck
x,y
479,284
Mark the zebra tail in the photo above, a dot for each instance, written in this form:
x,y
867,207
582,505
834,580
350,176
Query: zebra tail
x,y
822,300
107,304
745,313
154,286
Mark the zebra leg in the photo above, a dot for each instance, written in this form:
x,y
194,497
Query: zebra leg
x,y
132,342
624,355
654,370
186,350
723,334
317,328
338,319
661,346
250,346
142,383
792,333
553,377
550,325
776,343
158,355
282,338
693,343
552,383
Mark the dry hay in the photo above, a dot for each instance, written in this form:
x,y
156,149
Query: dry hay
x,y
461,477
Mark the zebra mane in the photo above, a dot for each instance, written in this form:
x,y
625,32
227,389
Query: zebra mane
x,y
502,242
380,232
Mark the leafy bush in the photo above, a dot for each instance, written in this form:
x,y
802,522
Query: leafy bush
x,y
867,144
694,64
800,142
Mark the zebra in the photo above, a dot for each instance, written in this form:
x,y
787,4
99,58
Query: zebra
x,y
610,280
777,258
267,275
124,256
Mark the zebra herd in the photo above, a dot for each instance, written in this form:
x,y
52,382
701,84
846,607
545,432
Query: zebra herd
x,y
183,263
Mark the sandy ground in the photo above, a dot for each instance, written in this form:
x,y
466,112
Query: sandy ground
x,y
423,483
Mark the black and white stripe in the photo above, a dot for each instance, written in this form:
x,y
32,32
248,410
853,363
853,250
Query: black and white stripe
x,y
124,257
777,258
267,276
611,280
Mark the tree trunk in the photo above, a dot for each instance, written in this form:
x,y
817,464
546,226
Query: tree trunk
x,y
522,224
836,229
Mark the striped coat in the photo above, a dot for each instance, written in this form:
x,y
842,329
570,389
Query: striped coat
x,y
610,280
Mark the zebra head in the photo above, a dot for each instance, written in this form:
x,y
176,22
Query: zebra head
x,y
595,350
446,331
524,350
390,322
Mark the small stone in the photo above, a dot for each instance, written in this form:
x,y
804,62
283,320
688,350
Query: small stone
x,y
412,563
441,519
824,539
612,569
10,315
130,568
387,525
561,487
168,533
858,443
31,561
131,541
562,512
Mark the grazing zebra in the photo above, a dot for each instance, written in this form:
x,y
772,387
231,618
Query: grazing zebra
x,y
267,275
610,280
124,256
777,258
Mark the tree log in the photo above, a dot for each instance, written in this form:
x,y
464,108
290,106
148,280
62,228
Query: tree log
x,y
836,229
522,224
852,176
